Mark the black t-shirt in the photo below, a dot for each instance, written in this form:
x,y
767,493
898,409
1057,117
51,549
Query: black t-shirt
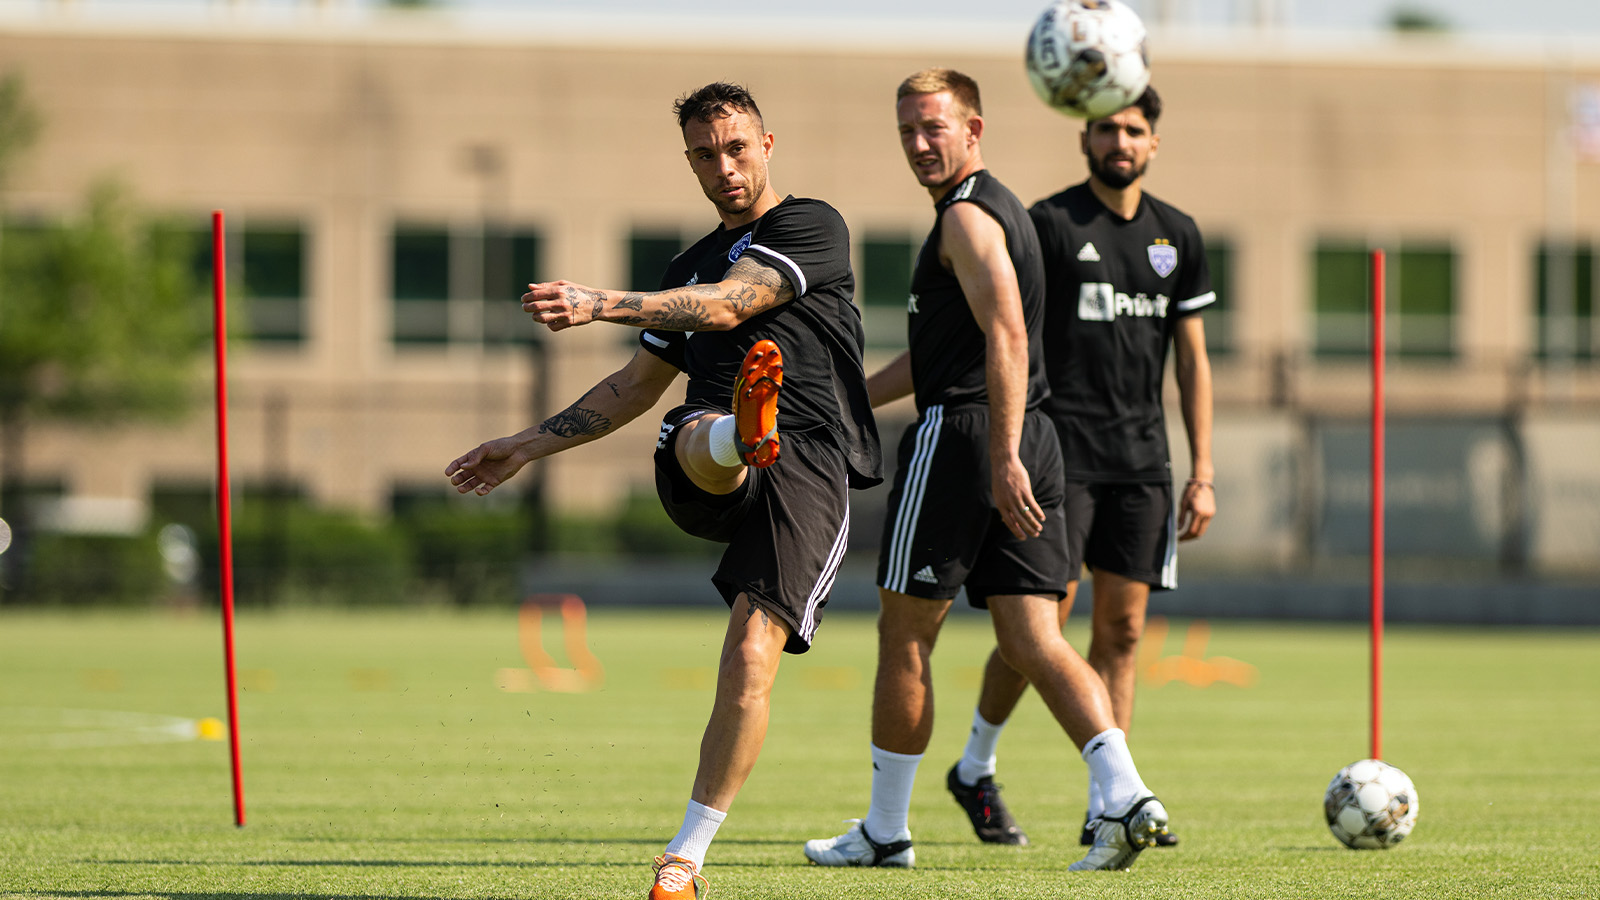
x,y
947,346
1116,289
818,332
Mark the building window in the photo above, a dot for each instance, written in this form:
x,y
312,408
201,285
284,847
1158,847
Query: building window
x,y
274,278
1420,300
1218,316
883,286
649,254
461,287
1564,297
267,265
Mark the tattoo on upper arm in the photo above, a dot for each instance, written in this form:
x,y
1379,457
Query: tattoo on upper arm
x,y
756,275
575,421
614,391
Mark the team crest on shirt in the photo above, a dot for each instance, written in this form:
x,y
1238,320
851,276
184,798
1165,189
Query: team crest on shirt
x,y
739,248
1163,257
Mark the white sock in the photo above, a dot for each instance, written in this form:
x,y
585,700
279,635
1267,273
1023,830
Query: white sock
x,y
725,442
700,824
1111,766
977,760
893,775
1097,800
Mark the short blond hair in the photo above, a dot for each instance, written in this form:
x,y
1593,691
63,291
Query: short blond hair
x,y
963,89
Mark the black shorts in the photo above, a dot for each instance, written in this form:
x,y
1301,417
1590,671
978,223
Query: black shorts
x,y
786,526
1125,528
942,530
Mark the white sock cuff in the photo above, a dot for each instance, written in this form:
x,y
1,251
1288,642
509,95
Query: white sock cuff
x,y
978,757
706,812
725,442
693,840
1112,736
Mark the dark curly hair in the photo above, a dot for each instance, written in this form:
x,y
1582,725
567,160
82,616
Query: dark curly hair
x,y
714,101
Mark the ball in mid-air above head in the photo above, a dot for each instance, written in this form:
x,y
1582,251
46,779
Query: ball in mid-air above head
x,y
1370,805
1087,58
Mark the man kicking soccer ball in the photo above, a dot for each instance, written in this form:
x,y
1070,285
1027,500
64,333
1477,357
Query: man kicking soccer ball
x,y
762,305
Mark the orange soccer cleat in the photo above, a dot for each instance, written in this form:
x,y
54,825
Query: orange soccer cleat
x,y
677,879
755,404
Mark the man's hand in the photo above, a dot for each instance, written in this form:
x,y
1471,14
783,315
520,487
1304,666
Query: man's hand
x,y
562,304
1196,509
488,466
1013,498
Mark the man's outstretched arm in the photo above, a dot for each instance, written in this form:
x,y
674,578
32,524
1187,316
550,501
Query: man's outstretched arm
x,y
749,288
617,400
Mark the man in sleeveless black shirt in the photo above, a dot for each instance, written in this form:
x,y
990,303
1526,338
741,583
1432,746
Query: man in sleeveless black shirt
x,y
1126,278
763,304
977,494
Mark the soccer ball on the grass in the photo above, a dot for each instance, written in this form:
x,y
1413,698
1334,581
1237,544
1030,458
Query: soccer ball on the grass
x,y
1086,58
1370,805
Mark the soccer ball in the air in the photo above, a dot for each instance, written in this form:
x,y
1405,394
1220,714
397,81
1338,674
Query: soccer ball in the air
x,y
1370,805
1087,58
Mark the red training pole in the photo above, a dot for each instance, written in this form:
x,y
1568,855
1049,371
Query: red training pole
x,y
1377,502
219,297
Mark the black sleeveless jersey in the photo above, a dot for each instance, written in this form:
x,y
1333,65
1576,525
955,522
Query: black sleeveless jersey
x,y
818,332
1116,289
947,346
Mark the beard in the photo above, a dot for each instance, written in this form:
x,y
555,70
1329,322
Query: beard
x,y
1116,179
755,187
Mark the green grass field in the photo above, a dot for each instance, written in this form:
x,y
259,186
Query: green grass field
x,y
382,760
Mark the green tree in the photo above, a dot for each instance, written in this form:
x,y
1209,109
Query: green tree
x,y
98,319
1412,19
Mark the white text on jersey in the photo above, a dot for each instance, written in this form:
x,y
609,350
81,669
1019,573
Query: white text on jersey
x,y
1100,302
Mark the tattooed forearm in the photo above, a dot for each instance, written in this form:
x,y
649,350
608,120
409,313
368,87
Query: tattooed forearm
x,y
632,300
683,314
575,421
595,299
614,391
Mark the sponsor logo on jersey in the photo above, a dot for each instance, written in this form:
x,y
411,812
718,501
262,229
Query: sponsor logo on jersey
x,y
739,248
911,304
1163,257
693,279
1089,253
1100,302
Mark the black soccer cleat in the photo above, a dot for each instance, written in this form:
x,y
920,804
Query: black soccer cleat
x,y
990,819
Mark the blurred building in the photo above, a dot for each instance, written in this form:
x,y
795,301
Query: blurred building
x,y
390,183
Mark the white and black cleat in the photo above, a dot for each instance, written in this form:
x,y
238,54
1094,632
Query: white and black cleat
x,y
1118,840
855,848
